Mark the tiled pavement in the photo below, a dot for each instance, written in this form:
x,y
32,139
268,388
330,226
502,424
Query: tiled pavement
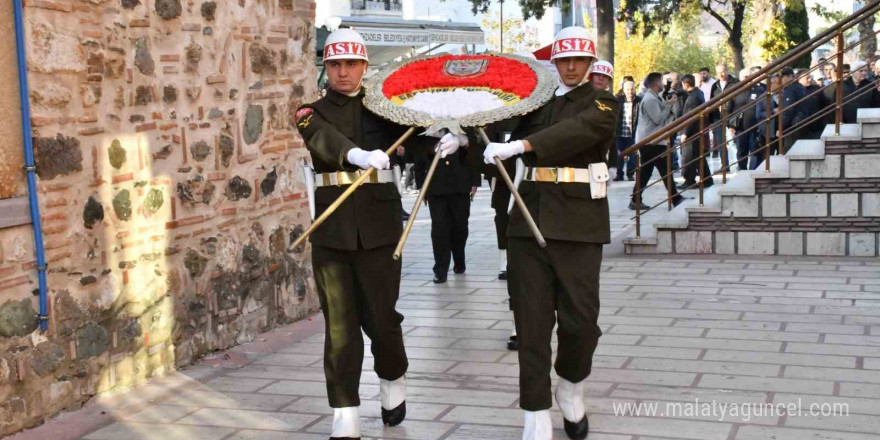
x,y
735,333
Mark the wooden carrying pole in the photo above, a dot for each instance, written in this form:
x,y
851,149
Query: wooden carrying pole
x,y
415,211
348,192
515,193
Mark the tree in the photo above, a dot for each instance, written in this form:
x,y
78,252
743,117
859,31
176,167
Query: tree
x,y
518,37
868,48
790,27
537,8
530,8
655,15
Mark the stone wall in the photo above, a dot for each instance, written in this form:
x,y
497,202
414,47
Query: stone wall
x,y
168,189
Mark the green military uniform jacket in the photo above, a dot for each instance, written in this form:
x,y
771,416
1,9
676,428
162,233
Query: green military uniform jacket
x,y
330,128
573,130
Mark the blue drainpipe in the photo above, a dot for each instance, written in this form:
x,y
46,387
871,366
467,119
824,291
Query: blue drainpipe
x,y
29,167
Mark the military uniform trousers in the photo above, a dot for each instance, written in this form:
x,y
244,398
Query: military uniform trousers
x,y
449,229
500,201
556,283
358,290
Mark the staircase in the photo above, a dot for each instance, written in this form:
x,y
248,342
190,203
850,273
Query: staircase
x,y
821,199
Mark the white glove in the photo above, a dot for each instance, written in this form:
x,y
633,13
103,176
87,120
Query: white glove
x,y
450,143
502,151
367,159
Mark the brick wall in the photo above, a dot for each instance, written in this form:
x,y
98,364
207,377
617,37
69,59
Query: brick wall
x,y
168,189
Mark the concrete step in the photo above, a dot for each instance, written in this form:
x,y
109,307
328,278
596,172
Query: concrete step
x,y
848,132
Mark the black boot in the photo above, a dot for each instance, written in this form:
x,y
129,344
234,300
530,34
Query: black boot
x,y
512,343
345,438
394,416
577,431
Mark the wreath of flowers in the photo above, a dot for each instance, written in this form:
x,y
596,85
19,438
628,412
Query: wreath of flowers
x,y
459,90
503,74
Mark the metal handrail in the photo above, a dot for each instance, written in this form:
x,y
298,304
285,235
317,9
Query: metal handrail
x,y
698,115
774,67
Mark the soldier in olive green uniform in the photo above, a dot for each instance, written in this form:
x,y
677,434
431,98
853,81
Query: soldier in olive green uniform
x,y
358,281
563,145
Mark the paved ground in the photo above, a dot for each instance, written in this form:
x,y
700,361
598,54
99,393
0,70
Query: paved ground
x,y
710,342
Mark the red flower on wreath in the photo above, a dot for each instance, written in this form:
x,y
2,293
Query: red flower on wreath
x,y
500,73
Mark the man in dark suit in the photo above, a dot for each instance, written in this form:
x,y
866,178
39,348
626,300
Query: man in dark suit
x,y
724,82
811,106
793,94
449,199
762,113
743,123
691,142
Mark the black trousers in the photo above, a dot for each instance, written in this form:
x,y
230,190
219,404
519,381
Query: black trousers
x,y
690,170
358,290
559,283
449,229
648,153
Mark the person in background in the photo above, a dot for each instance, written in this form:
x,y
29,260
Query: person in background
x,y
765,137
793,94
626,130
724,81
743,123
449,200
706,82
812,105
691,139
654,114
855,94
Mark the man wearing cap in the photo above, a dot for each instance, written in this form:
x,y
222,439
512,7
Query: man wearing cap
x,y
358,281
563,145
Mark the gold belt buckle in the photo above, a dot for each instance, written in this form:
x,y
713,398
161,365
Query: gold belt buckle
x,y
546,174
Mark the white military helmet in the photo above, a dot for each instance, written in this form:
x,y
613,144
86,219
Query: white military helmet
x,y
604,68
345,44
573,41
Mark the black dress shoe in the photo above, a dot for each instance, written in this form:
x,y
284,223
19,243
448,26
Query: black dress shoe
x,y
345,438
687,185
708,182
502,275
439,279
394,417
512,343
618,179
404,216
679,201
459,270
577,431
630,178
632,205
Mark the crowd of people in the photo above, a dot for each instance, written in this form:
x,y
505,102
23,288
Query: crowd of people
x,y
807,97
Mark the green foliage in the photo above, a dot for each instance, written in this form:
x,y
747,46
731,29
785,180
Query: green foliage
x,y
786,32
657,16
638,53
